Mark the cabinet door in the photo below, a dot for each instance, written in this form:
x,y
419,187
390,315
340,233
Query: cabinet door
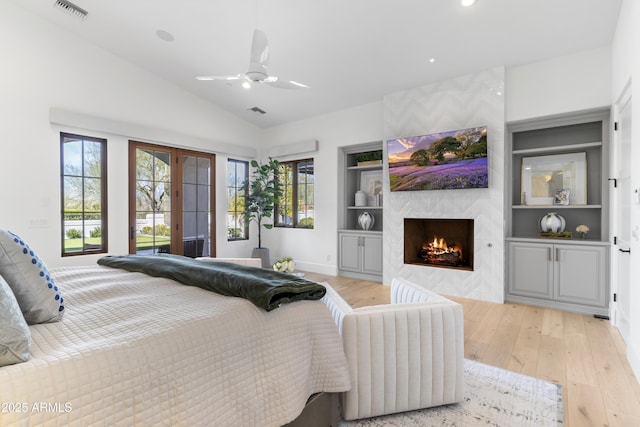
x,y
372,254
530,270
580,274
349,252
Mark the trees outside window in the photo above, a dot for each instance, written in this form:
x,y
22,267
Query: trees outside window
x,y
83,163
296,206
237,183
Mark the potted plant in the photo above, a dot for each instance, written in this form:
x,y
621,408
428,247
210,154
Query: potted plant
x,y
369,158
264,190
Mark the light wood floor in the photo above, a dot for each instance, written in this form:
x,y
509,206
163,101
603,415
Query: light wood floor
x,y
583,354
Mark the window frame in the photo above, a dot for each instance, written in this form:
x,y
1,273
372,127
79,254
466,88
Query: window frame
x,y
104,220
294,164
245,181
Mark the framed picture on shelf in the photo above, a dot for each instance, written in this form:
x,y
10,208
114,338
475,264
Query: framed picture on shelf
x,y
371,184
561,197
544,176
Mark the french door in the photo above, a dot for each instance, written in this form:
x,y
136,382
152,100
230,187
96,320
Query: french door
x,y
171,201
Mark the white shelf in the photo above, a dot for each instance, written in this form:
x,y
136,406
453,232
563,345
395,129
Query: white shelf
x,y
554,207
366,167
558,148
364,207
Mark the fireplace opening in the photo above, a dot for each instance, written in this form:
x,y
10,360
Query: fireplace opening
x,y
444,243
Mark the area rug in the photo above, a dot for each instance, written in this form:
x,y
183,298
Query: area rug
x,y
492,397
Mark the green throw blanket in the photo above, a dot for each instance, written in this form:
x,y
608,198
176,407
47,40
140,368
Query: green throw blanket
x,y
265,288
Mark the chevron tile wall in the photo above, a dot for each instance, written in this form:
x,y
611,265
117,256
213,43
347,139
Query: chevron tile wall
x,y
463,102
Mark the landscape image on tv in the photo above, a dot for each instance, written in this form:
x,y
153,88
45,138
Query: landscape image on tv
x,y
439,161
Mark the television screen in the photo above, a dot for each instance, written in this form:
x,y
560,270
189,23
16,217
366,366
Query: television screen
x,y
439,161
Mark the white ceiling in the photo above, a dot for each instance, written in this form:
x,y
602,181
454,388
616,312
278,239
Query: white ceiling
x,y
351,52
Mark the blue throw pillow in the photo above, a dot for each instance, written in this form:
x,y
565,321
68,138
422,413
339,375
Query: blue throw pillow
x,y
14,332
35,290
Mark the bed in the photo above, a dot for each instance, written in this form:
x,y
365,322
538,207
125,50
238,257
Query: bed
x,y
139,350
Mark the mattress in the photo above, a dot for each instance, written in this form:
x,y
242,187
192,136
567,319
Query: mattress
x,y
138,350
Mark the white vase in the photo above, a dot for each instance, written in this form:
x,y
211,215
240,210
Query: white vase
x,y
366,220
552,222
361,198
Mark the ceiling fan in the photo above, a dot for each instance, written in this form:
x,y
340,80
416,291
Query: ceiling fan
x,y
258,67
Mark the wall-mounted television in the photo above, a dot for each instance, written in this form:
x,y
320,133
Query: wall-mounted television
x,y
439,161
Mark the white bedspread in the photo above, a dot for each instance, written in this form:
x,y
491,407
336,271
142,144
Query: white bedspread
x,y
137,350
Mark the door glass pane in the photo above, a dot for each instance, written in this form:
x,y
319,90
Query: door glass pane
x,y
153,201
196,206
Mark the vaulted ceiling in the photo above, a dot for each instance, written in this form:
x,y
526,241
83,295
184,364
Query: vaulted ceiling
x,y
350,52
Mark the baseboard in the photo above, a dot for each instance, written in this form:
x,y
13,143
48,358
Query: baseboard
x,y
329,270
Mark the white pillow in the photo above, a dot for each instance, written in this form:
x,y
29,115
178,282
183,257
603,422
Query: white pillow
x,y
14,332
27,275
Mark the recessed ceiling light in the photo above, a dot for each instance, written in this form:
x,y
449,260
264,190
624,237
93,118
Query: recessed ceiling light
x,y
432,60
467,3
164,35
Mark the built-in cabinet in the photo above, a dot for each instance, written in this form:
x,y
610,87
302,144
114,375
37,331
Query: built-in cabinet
x,y
559,275
563,272
360,251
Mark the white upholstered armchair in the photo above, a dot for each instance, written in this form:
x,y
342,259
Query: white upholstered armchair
x,y
402,356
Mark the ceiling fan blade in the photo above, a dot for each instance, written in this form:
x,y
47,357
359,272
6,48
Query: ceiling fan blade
x,y
259,49
284,84
227,78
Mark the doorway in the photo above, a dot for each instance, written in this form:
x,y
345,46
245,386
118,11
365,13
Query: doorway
x,y
171,201
622,216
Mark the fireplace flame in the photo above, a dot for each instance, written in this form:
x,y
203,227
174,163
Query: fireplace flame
x,y
438,251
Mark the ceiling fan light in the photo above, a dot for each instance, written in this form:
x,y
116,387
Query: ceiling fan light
x,y
467,3
246,84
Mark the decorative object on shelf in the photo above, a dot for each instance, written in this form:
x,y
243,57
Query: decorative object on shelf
x,y
552,222
542,175
361,198
582,231
371,184
285,264
559,235
561,197
369,158
366,220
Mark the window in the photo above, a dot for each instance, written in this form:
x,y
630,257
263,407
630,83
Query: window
x,y
237,182
83,168
295,208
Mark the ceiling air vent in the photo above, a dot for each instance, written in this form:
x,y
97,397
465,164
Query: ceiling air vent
x,y
257,110
71,9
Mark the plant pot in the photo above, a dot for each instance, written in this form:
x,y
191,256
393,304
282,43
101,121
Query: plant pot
x,y
263,254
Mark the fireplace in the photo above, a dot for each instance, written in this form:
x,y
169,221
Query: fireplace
x,y
446,243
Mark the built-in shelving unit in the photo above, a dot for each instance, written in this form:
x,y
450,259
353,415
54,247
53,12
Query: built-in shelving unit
x,y
359,251
562,273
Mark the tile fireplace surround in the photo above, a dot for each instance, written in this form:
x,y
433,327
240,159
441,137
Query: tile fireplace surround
x,y
460,103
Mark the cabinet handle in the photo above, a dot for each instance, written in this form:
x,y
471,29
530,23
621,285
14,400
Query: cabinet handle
x,y
548,254
626,251
557,254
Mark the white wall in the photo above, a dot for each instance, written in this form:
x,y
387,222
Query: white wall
x,y
44,68
559,85
626,68
316,250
